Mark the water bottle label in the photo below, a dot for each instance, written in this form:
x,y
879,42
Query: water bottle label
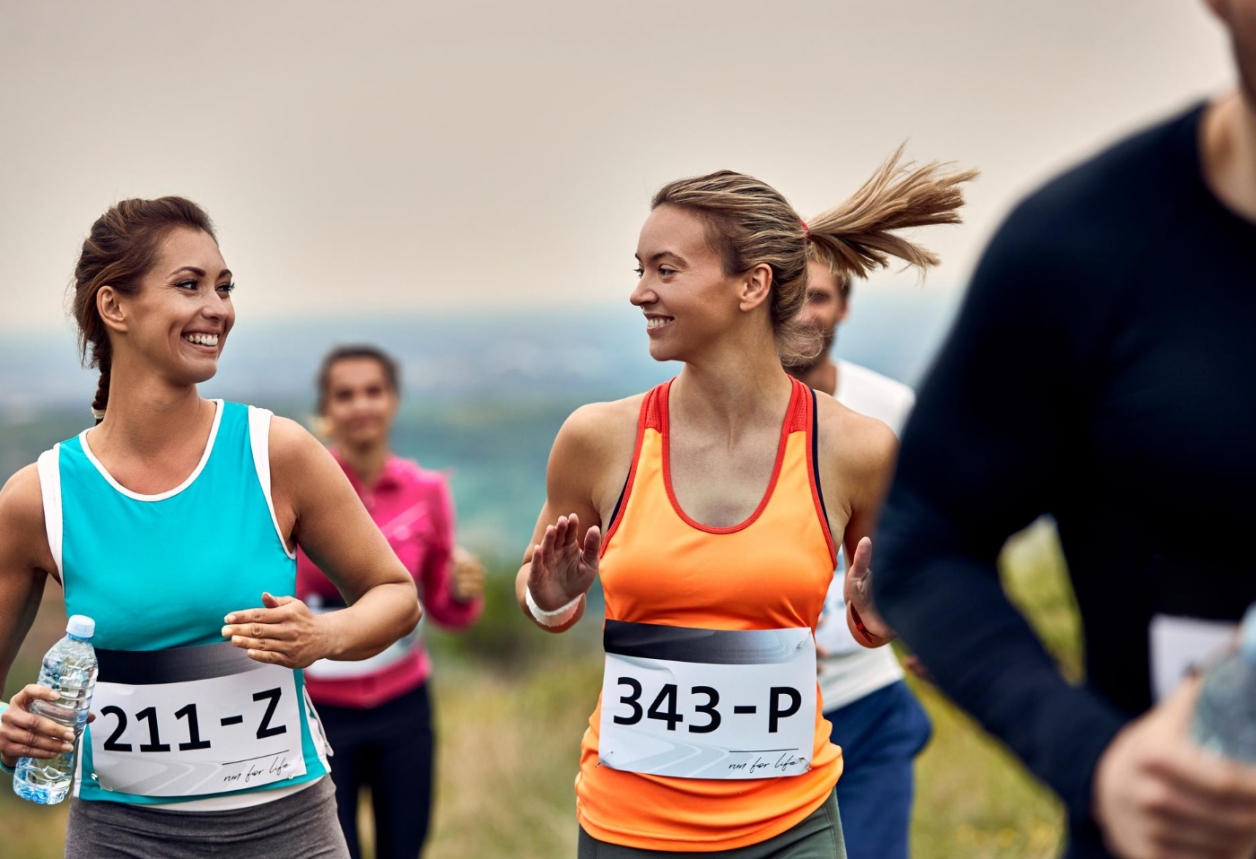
x,y
1180,644
193,721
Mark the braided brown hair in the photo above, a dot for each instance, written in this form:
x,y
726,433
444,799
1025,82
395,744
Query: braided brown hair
x,y
118,252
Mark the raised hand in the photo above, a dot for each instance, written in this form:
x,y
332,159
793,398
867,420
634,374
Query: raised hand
x,y
563,568
285,632
866,622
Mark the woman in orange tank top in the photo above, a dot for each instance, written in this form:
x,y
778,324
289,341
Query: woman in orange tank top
x,y
722,496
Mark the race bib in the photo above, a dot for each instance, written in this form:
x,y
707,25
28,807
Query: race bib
x,y
707,703
192,721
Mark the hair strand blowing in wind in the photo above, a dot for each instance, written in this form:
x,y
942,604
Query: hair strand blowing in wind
x,y
859,235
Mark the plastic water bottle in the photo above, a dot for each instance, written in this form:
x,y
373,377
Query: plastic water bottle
x,y
69,669
1225,717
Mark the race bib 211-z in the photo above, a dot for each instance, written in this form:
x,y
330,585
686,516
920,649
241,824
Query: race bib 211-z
x,y
193,721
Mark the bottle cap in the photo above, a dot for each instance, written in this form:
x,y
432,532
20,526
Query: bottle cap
x,y
81,626
1247,635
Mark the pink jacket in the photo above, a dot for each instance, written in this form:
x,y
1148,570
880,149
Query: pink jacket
x,y
414,509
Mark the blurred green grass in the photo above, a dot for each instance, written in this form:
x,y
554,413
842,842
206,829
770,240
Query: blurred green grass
x,y
512,703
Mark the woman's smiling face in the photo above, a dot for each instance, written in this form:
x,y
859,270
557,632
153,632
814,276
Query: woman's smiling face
x,y
687,297
178,320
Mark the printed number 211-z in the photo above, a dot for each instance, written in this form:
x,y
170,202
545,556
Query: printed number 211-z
x,y
154,744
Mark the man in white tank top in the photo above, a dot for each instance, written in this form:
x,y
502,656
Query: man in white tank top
x,y
876,720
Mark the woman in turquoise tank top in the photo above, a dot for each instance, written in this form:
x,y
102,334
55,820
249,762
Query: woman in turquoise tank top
x,y
174,523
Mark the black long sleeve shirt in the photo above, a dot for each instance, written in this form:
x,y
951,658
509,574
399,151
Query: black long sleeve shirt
x,y
1102,370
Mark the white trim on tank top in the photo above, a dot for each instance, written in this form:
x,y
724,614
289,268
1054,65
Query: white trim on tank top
x,y
259,441
49,468
161,496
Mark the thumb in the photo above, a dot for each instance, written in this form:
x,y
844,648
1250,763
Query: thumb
x,y
861,564
1178,709
275,602
592,545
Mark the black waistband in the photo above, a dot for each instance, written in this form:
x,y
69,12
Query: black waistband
x,y
173,665
686,644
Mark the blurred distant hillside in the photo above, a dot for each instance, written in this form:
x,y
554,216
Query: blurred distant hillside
x,y
484,392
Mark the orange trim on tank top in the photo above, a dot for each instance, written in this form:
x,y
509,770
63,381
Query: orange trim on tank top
x,y
813,449
643,420
786,426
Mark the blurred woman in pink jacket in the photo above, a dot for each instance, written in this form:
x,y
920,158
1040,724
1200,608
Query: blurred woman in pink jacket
x,y
376,712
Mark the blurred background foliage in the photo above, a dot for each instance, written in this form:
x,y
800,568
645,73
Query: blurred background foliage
x,y
512,703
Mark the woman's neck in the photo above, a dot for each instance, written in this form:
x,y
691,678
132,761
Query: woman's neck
x,y
733,391
147,417
365,461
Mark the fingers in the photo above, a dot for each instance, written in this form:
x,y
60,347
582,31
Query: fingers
x,y
861,564
1206,780
592,545
565,530
275,602
279,612
272,657
560,536
24,734
32,692
1178,710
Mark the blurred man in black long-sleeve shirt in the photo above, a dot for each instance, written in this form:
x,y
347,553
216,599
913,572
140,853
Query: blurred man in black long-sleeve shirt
x,y
1102,370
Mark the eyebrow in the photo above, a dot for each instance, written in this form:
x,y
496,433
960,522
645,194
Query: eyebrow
x,y
199,272
658,256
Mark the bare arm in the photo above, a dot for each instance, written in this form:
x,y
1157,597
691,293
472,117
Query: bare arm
x,y
25,563
315,503
857,458
587,466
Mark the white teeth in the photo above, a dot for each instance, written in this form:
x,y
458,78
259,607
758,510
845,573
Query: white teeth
x,y
202,339
656,322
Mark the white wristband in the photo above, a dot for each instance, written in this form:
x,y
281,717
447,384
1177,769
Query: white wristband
x,y
557,617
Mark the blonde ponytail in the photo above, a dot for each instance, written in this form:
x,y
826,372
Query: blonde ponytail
x,y
857,236
750,223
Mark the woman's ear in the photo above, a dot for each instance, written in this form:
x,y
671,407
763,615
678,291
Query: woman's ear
x,y
109,306
756,287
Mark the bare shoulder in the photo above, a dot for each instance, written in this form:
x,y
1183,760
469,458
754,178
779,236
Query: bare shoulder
x,y
852,446
21,501
592,456
22,518
292,445
602,430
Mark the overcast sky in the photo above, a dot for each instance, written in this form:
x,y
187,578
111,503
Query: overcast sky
x,y
406,155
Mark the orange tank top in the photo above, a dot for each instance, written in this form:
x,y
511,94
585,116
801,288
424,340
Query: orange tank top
x,y
661,567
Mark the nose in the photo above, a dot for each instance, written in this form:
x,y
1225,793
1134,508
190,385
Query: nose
x,y
643,294
216,307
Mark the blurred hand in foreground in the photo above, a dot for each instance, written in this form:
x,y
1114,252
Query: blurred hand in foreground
x,y
1158,795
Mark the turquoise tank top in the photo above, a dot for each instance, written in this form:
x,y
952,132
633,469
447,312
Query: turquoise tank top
x,y
162,571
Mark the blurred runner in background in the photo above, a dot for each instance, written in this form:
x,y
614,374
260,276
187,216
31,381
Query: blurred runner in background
x,y
1101,370
376,712
876,719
